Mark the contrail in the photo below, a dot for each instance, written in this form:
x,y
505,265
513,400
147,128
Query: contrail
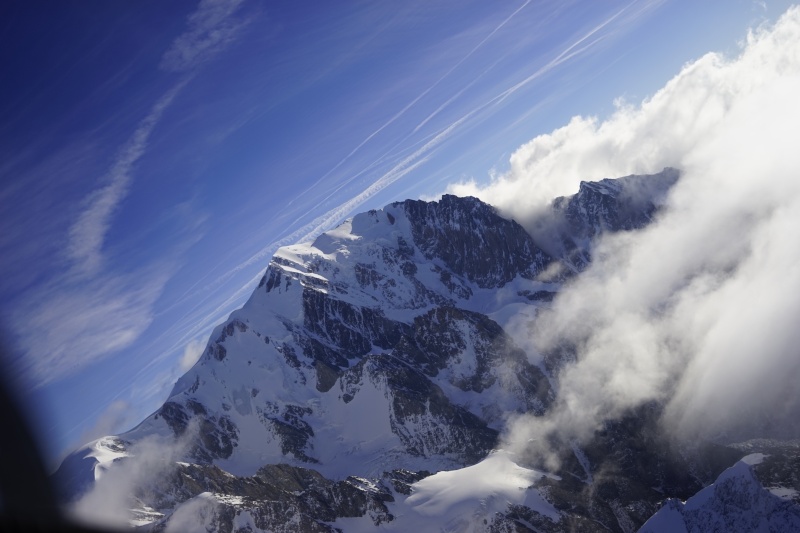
x,y
421,95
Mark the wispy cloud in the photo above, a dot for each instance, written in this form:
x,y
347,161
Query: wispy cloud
x,y
90,309
439,80
88,233
34,186
211,29
626,16
64,327
87,312
424,93
460,62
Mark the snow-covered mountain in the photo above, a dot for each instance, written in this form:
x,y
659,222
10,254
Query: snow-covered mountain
x,y
738,500
364,384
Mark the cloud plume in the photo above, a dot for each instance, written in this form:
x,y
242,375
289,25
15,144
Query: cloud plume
x,y
212,27
87,234
699,310
140,469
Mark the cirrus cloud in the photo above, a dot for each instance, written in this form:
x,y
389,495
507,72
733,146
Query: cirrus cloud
x,y
212,27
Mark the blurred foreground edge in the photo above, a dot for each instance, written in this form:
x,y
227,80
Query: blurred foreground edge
x,y
27,496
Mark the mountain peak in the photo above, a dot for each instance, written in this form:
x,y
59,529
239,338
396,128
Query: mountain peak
x,y
388,349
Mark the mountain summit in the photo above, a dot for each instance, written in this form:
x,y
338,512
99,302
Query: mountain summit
x,y
365,383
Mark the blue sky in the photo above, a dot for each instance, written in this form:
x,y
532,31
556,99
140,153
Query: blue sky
x,y
154,155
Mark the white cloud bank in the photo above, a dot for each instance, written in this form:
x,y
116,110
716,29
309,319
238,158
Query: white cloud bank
x,y
664,130
701,309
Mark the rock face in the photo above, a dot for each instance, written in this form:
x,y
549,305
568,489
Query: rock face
x,y
736,501
278,498
473,241
609,205
387,352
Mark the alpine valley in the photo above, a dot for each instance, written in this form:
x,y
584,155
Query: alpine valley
x,y
367,382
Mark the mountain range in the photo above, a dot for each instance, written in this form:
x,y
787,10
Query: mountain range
x,y
367,383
